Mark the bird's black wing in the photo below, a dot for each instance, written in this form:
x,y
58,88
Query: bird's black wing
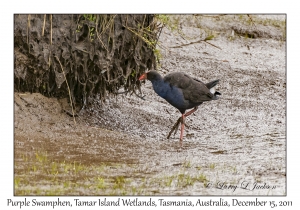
x,y
193,90
177,79
198,91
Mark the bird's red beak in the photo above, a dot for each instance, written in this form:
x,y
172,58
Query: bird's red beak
x,y
143,77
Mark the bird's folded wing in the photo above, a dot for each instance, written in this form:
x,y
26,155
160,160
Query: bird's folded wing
x,y
193,90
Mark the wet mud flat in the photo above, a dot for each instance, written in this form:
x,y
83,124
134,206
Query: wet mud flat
x,y
232,146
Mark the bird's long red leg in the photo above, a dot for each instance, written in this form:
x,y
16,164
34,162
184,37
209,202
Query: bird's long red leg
x,y
182,129
182,121
191,112
175,127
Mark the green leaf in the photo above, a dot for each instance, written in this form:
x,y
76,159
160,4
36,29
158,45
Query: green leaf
x,y
209,37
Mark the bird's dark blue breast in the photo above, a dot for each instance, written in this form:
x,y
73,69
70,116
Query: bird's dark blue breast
x,y
173,95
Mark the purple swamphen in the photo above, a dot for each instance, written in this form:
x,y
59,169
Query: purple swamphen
x,y
183,92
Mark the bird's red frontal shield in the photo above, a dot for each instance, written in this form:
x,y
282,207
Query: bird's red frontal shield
x,y
143,76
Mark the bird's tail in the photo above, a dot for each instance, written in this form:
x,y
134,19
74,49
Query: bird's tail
x,y
211,86
216,95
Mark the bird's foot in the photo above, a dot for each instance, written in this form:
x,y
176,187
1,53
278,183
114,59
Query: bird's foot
x,y
175,127
179,149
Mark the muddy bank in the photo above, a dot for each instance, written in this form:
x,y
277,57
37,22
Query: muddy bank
x,y
120,147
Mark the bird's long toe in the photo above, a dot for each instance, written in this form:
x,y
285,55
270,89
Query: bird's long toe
x,y
175,127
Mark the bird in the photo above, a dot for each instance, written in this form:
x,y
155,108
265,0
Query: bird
x,y
183,92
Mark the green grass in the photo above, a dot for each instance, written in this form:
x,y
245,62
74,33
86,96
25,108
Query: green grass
x,y
187,164
119,182
212,166
39,174
202,178
17,182
41,157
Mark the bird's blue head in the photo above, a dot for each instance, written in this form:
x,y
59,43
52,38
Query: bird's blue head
x,y
151,75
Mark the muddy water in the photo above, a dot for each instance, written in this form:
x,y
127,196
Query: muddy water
x,y
120,147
